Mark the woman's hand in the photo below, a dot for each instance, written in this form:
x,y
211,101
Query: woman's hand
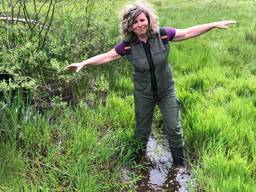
x,y
183,34
96,60
224,24
75,67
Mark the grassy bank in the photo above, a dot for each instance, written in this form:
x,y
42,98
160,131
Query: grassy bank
x,y
83,147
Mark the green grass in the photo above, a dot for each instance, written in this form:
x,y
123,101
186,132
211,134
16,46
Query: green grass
x,y
215,76
82,148
79,149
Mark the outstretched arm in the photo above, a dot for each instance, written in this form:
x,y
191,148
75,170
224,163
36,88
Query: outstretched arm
x,y
183,34
96,60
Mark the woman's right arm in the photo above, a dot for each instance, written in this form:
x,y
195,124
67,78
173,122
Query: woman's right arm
x,y
96,60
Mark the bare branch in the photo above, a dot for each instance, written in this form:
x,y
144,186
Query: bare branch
x,y
46,18
18,15
24,21
26,15
42,6
88,11
50,23
35,10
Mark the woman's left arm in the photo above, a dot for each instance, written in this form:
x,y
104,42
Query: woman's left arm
x,y
183,34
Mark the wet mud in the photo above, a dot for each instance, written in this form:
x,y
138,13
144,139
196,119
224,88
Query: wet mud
x,y
160,174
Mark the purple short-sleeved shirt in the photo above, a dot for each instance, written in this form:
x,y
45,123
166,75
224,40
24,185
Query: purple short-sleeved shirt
x,y
170,32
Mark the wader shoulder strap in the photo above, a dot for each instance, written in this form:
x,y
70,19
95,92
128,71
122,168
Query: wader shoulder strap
x,y
127,47
164,36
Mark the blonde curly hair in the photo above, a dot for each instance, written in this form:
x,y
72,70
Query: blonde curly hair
x,y
129,14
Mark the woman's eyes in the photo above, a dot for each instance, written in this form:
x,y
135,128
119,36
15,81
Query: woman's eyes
x,y
136,21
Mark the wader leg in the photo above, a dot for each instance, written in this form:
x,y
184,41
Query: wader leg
x,y
144,109
170,109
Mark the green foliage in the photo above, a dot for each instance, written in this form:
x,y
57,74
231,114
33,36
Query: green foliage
x,y
222,174
12,167
76,33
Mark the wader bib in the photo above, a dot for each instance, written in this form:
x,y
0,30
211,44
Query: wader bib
x,y
154,84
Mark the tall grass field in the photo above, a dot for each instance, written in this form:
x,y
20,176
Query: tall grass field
x,y
83,146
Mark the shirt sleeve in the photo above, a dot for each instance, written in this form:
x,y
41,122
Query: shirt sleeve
x,y
170,32
119,48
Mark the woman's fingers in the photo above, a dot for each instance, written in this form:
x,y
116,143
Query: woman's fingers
x,y
230,22
76,67
72,67
225,24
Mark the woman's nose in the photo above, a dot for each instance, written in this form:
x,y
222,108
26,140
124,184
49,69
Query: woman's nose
x,y
139,24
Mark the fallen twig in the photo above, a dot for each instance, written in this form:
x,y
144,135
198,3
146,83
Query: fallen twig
x,y
15,20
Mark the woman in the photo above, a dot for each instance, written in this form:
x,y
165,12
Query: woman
x,y
146,46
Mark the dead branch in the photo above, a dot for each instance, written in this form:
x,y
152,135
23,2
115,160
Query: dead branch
x,y
15,20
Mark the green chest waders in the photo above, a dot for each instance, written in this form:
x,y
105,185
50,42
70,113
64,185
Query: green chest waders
x,y
153,84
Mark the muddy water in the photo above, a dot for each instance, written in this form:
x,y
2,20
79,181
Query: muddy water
x,y
160,174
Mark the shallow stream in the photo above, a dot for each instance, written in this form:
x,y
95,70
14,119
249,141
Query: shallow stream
x,y
159,173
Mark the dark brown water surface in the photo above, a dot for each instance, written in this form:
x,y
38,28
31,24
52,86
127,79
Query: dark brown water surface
x,y
159,173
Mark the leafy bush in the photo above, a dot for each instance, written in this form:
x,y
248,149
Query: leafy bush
x,y
34,54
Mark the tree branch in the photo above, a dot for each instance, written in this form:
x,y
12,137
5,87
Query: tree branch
x,y
21,20
50,23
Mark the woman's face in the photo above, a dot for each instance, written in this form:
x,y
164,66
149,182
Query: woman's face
x,y
140,24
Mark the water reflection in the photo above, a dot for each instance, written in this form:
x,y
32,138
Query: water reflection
x,y
160,174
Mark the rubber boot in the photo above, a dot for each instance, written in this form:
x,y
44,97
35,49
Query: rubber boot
x,y
178,156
